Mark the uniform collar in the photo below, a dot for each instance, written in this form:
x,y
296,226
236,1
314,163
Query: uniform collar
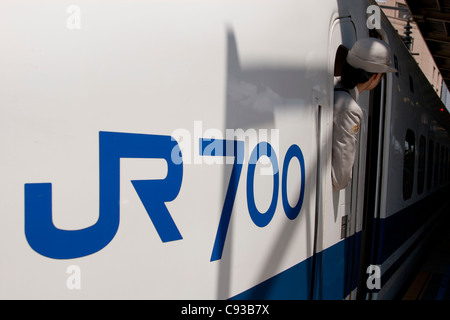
x,y
355,94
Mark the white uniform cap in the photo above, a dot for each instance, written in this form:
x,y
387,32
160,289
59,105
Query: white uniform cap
x,y
371,55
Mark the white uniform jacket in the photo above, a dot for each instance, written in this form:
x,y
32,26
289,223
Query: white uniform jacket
x,y
346,124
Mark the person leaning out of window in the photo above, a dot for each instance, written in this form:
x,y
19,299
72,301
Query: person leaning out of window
x,y
363,68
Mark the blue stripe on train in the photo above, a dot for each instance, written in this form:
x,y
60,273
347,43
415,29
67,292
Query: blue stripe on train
x,y
291,284
295,282
337,269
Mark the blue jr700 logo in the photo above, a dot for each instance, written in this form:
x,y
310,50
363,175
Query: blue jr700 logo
x,y
46,239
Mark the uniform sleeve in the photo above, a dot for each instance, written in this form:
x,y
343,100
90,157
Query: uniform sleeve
x,y
346,124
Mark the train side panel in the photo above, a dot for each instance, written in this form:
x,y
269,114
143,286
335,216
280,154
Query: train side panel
x,y
119,178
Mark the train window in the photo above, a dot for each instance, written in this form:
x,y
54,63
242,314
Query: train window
x,y
430,164
408,164
444,178
448,166
441,165
421,168
444,164
411,84
396,65
444,161
436,165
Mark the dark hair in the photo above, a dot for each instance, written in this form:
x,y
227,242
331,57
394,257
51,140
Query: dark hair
x,y
351,76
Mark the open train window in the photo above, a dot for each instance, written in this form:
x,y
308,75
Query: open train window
x,y
430,164
421,167
408,164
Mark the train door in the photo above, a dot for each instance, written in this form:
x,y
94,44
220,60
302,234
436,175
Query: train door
x,y
372,179
331,263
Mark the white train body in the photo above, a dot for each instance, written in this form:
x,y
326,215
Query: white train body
x,y
129,133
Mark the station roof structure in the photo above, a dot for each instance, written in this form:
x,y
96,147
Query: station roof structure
x,y
433,20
